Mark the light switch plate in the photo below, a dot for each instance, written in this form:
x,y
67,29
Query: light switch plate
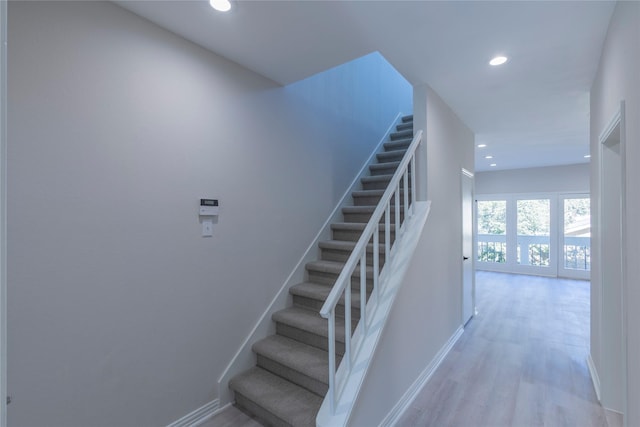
x,y
207,228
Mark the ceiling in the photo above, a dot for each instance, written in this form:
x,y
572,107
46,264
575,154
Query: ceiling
x,y
532,111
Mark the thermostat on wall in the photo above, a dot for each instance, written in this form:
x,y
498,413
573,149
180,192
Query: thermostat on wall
x,y
209,207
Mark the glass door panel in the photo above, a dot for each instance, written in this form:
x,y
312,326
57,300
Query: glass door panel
x,y
576,237
534,231
492,230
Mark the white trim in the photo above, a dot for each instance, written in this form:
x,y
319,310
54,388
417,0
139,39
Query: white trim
x,y
613,122
467,173
200,415
410,395
244,358
3,216
595,380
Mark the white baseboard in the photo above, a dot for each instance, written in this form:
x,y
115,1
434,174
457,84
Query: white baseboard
x,y
198,416
595,379
403,404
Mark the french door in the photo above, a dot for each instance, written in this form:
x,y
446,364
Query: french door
x,y
575,236
542,234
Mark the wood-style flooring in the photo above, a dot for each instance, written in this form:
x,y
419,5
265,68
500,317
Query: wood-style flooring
x,y
520,362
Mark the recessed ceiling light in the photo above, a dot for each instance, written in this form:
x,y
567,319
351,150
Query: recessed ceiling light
x,y
587,156
488,157
220,5
482,145
498,60
493,165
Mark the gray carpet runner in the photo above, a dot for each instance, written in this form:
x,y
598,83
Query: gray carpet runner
x,y
291,378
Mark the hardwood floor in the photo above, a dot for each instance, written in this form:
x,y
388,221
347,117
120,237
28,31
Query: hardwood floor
x,y
520,362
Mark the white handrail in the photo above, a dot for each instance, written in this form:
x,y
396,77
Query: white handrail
x,y
359,255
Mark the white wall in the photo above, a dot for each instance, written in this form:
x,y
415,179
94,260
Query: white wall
x,y
617,80
552,179
428,308
120,313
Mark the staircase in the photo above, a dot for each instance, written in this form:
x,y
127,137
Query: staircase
x,y
291,378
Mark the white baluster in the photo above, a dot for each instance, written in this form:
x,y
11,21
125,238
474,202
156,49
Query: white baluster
x,y
347,326
376,255
332,360
363,290
413,184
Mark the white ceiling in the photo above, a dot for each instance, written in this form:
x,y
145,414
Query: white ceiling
x,y
532,111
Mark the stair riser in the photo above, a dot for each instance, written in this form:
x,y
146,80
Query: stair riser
x,y
314,304
262,415
307,337
343,256
354,236
293,376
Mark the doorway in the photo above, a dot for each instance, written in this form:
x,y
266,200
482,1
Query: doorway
x,y
468,275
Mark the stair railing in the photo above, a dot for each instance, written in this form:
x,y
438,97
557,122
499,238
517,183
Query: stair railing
x,y
359,257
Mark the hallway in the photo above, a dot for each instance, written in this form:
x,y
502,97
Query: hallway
x,y
520,362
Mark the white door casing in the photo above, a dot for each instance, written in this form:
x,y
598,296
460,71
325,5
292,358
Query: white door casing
x,y
612,231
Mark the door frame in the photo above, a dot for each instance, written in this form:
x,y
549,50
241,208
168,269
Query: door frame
x,y
617,123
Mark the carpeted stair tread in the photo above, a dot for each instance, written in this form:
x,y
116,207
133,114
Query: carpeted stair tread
x,y
364,209
356,226
371,193
388,165
404,126
308,320
397,144
376,178
334,267
309,361
408,118
390,156
344,245
319,292
401,135
286,401
362,213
